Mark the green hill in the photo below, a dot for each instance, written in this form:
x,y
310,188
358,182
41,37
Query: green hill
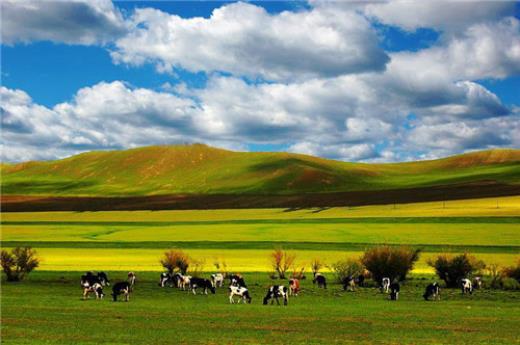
x,y
200,169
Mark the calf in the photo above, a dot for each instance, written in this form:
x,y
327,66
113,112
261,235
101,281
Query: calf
x,y
320,279
466,286
217,279
240,291
394,291
96,288
237,280
275,292
294,286
349,283
432,290
202,283
121,288
131,280
385,284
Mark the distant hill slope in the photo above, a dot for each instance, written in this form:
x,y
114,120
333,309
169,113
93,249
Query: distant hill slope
x,y
200,169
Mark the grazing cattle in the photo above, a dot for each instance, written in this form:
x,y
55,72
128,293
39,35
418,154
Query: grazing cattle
x,y
432,290
276,291
103,278
349,283
131,280
466,286
294,286
184,281
165,278
385,285
240,291
360,280
121,288
321,280
477,283
96,288
237,280
217,279
394,291
201,283
90,279
177,279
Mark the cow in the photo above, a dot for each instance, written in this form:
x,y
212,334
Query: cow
x,y
276,291
90,279
240,291
349,283
131,280
205,284
237,280
165,278
121,288
96,288
294,286
466,286
477,283
184,282
394,291
103,278
360,280
432,290
321,280
217,279
385,285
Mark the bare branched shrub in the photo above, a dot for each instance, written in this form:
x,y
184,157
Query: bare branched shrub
x,y
347,267
298,273
281,261
392,262
316,266
19,262
452,269
176,260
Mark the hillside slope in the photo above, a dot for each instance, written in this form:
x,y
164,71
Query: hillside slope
x,y
200,169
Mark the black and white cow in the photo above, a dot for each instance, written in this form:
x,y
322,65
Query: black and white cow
x,y
394,291
184,282
217,279
320,280
360,280
385,285
276,291
237,280
90,279
349,283
202,283
433,290
165,278
96,288
466,286
121,288
477,283
241,292
131,280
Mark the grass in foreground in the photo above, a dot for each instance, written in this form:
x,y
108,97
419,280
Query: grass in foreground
x,y
47,309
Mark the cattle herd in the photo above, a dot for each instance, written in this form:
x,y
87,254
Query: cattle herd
x,y
94,283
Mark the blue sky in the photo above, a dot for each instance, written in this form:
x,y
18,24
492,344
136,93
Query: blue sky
x,y
352,81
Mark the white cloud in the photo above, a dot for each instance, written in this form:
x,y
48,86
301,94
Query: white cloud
x,y
245,40
72,22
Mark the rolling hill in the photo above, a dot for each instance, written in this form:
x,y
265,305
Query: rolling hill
x,y
207,172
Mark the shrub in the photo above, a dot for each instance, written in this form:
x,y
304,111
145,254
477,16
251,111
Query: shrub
x,y
298,274
392,262
281,261
513,272
495,276
347,267
196,267
510,284
19,262
316,266
176,260
452,269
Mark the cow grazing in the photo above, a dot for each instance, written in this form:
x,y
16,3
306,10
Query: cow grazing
x,y
275,292
433,290
165,278
320,280
131,280
360,280
96,288
394,291
90,279
294,286
204,284
184,282
477,283
385,285
217,279
349,283
121,288
237,280
240,291
466,286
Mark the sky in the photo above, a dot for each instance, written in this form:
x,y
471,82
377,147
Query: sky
x,y
356,81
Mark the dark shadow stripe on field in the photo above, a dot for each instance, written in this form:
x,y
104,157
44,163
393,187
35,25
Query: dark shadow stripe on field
x,y
363,220
319,246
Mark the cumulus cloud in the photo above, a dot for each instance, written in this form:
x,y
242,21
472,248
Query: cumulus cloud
x,y
245,40
72,22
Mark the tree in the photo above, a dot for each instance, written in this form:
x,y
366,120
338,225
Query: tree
x,y
175,260
316,266
347,267
452,269
392,262
19,262
281,261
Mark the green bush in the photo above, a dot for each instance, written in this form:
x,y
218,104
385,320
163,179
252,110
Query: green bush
x,y
347,267
18,263
452,269
392,262
510,284
513,272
